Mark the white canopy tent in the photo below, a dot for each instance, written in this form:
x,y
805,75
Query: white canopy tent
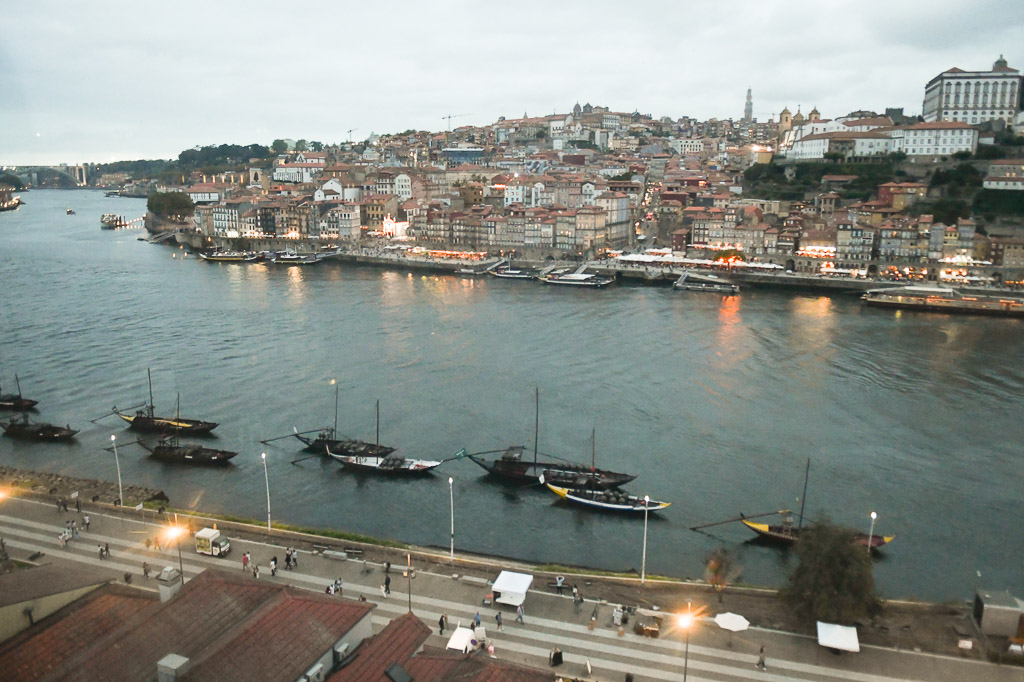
x,y
842,637
462,640
511,587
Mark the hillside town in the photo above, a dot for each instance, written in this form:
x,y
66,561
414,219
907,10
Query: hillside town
x,y
593,182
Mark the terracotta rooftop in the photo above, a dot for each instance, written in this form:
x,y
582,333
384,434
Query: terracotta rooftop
x,y
396,643
42,581
249,630
39,651
434,665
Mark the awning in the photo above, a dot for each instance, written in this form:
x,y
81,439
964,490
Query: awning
x,y
511,587
842,637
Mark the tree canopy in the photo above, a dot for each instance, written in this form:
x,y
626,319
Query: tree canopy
x,y
221,156
834,581
170,204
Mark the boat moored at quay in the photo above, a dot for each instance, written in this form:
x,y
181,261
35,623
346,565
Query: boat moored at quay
x,y
578,277
943,300
229,256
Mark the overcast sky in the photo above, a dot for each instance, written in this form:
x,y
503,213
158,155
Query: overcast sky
x,y
103,81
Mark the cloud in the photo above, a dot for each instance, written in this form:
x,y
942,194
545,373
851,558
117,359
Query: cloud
x,y
152,80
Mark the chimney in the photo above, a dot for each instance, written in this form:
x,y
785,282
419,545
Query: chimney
x,y
171,667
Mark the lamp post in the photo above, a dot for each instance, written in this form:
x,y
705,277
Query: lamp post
x,y
686,622
643,560
117,463
176,532
266,477
451,498
871,533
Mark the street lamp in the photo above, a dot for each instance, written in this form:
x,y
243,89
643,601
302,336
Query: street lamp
x,y
643,561
686,622
266,477
175,533
871,533
117,463
451,497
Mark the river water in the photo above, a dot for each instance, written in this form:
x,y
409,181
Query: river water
x,y
717,403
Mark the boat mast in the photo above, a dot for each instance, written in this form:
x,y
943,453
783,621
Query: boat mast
x,y
149,375
335,434
536,423
19,385
803,498
593,449
377,442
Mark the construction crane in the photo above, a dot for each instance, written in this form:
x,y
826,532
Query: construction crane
x,y
350,134
449,118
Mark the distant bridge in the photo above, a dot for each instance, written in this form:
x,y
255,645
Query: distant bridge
x,y
76,174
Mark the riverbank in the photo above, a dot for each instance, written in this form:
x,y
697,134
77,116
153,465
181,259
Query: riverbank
x,y
919,626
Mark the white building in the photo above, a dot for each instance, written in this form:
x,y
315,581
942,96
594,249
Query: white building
x,y
974,96
341,222
936,138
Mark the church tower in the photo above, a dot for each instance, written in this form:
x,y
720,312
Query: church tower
x,y
748,108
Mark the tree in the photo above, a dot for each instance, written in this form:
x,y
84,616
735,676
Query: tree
x,y
721,570
962,155
279,146
897,156
834,581
300,145
316,146
170,204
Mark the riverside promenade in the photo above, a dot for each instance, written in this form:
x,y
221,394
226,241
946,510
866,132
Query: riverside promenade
x,y
30,525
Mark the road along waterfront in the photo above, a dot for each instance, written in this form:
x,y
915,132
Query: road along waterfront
x,y
29,525
716,402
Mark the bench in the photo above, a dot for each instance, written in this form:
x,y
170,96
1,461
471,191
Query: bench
x,y
333,554
354,551
320,549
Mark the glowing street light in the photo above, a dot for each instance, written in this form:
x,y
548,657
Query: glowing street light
x,y
175,533
266,477
871,533
643,560
686,621
117,463
451,497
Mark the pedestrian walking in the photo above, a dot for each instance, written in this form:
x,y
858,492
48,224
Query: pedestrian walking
x,y
74,529
288,558
295,558
387,585
441,622
387,567
330,588
67,527
761,665
245,561
78,505
519,614
86,521
497,617
145,570
64,505
273,566
100,548
149,543
339,584
58,505
559,583
156,543
476,619
256,571
106,549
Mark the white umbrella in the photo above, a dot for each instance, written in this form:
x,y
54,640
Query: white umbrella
x,y
733,622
